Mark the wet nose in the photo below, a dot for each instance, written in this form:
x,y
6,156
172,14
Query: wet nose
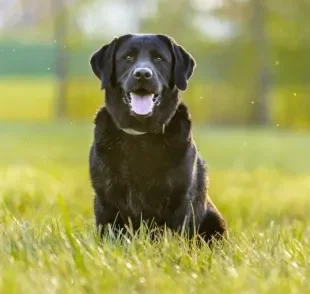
x,y
141,73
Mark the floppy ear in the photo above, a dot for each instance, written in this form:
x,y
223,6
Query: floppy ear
x,y
184,65
102,63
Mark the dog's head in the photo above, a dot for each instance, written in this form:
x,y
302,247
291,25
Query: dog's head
x,y
140,73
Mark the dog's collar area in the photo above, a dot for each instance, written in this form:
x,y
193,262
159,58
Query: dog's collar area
x,y
133,132
137,133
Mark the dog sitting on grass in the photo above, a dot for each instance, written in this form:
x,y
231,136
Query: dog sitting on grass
x,y
144,164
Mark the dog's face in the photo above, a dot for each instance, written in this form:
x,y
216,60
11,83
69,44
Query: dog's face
x,y
143,67
142,71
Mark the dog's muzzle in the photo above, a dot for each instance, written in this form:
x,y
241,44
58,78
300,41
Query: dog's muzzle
x,y
141,103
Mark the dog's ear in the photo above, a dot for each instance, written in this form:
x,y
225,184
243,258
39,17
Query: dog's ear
x,y
102,63
184,63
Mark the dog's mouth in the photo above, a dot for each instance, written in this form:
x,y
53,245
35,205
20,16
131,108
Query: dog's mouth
x,y
141,101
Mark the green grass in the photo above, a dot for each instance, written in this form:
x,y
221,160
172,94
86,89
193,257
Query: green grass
x,y
260,180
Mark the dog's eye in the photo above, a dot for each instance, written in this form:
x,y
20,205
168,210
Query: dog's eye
x,y
129,57
158,59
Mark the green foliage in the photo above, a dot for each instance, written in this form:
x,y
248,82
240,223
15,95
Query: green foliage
x,y
291,107
208,103
83,97
217,103
259,179
224,89
26,60
27,99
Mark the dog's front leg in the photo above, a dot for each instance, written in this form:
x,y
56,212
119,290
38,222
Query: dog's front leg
x,y
178,212
106,214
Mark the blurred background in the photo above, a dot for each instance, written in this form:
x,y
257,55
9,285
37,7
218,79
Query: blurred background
x,y
252,55
249,100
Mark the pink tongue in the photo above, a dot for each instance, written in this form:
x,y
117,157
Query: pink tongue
x,y
142,104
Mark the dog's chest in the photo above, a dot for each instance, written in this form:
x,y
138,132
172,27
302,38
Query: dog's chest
x,y
145,171
145,162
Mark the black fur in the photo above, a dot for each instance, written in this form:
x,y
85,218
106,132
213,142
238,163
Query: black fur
x,y
158,176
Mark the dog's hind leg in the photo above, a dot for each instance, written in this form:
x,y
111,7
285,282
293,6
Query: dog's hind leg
x,y
213,226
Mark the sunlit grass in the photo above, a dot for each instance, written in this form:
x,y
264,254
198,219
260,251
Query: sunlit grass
x,y
260,180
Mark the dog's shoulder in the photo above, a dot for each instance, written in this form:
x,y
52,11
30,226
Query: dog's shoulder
x,y
183,111
102,116
106,133
182,115
104,122
181,124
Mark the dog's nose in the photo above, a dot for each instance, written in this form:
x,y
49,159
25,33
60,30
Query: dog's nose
x,y
142,73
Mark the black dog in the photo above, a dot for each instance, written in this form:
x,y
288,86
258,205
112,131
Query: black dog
x,y
144,164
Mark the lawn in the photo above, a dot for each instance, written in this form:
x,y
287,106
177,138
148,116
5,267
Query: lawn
x,y
260,180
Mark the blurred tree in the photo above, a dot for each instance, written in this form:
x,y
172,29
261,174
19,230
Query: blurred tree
x,y
175,18
60,21
261,114
252,56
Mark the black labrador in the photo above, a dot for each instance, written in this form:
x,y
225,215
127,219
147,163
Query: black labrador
x,y
144,164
